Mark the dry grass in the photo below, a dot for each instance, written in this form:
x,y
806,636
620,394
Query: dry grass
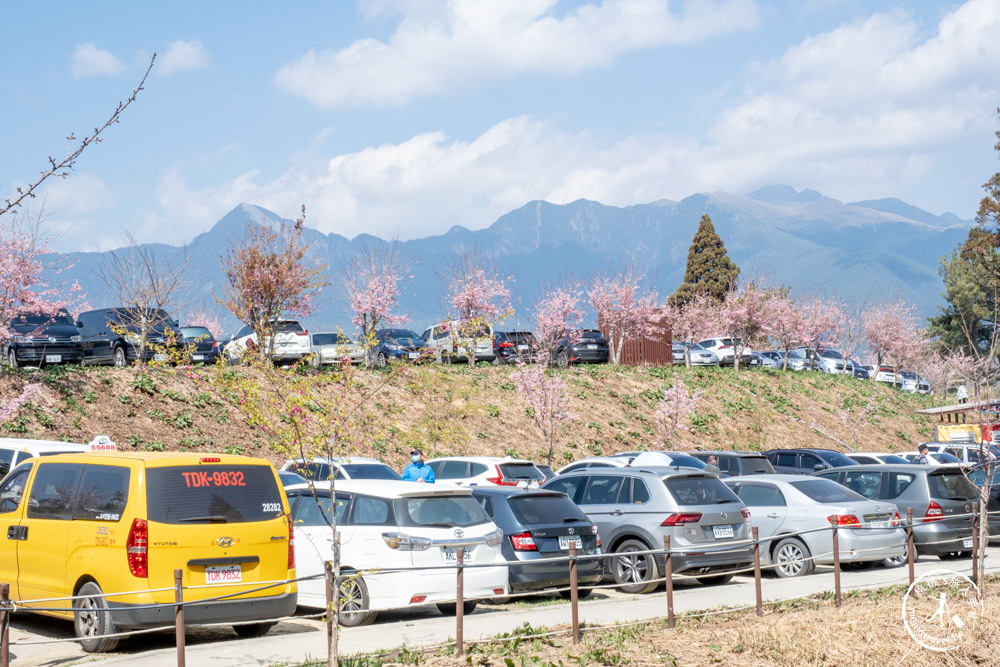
x,y
866,631
454,410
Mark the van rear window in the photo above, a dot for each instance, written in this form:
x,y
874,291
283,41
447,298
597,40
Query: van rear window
x,y
753,465
212,494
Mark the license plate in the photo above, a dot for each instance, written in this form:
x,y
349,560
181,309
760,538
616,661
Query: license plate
x,y
197,357
53,358
879,524
967,544
522,347
450,557
413,355
722,532
159,357
591,347
564,543
223,574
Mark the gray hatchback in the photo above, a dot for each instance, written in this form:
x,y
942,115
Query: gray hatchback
x,y
634,508
941,498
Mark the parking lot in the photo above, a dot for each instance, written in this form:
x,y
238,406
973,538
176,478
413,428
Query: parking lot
x,y
39,641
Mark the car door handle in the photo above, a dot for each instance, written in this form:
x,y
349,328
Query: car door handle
x,y
617,513
17,532
772,515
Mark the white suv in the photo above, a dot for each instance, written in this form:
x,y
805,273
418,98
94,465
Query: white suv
x,y
486,471
291,342
725,350
447,344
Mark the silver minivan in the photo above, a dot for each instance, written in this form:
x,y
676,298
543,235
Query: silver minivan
x,y
634,508
449,342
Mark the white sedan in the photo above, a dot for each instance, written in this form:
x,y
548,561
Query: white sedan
x,y
333,348
397,542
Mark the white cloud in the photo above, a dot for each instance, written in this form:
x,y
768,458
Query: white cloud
x,y
88,60
182,55
443,47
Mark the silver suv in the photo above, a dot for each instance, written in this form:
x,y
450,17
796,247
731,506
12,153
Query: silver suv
x,y
634,508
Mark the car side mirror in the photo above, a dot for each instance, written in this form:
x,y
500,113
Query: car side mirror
x,y
819,466
79,324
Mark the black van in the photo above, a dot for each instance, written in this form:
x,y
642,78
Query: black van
x,y
114,335
43,339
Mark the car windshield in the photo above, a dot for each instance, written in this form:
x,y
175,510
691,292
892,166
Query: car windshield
x,y
699,491
892,458
400,333
369,471
521,337
521,471
196,332
753,465
699,347
288,326
826,491
156,317
830,354
835,459
330,339
943,457
685,460
978,477
61,318
545,508
442,511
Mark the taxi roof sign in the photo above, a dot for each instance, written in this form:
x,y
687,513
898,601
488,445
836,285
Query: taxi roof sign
x,y
102,443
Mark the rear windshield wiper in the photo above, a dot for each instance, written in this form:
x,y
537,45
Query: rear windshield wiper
x,y
572,520
718,502
439,524
215,518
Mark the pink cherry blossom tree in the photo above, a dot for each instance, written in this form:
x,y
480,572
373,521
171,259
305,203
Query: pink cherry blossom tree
x,y
558,313
673,415
478,297
372,284
694,321
623,309
822,317
786,322
546,396
744,317
892,334
203,317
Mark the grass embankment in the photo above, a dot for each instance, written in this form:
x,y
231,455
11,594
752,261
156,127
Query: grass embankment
x,y
449,410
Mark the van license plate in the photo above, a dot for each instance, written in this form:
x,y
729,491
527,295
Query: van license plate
x,y
564,543
591,347
159,357
223,574
197,357
53,358
450,557
967,544
722,532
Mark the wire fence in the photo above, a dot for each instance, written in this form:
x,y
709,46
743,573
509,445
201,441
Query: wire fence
x,y
655,564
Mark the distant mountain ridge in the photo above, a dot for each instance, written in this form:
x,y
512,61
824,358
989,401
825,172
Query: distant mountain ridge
x,y
862,252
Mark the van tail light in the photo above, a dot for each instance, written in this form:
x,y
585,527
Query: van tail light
x,y
137,548
934,513
499,479
843,520
304,332
523,542
680,518
746,514
895,520
291,544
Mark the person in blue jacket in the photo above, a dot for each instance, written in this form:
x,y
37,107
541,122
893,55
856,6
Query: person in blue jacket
x,y
418,471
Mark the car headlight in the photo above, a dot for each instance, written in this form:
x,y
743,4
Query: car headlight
x,y
405,542
133,338
75,339
494,538
395,347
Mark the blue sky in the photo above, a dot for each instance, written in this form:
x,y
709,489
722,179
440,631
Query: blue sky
x,y
405,117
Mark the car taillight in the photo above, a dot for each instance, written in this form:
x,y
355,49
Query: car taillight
x,y
895,520
934,513
291,544
746,514
499,479
137,548
523,542
506,344
843,520
681,518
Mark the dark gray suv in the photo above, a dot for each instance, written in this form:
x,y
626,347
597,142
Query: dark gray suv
x,y
941,498
633,508
732,464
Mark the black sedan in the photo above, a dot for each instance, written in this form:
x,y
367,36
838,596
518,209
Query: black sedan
x,y
43,339
586,346
538,527
204,347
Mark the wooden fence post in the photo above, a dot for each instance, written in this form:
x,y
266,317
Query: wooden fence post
x,y
756,571
669,578
179,615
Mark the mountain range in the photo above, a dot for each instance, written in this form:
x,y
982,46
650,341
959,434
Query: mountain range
x,y
863,252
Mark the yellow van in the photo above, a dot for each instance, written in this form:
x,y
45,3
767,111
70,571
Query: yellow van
x,y
111,528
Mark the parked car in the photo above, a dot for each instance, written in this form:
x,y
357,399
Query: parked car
x,y
449,341
486,471
595,462
539,526
340,467
205,348
796,512
725,349
965,452
912,383
773,359
663,459
396,345
546,470
14,451
885,374
397,541
702,356
861,371
289,478
737,463
677,352
978,477
587,346
866,457
830,361
114,335
291,342
329,348
510,347
799,359
933,458
940,496
805,461
43,339
634,508
129,521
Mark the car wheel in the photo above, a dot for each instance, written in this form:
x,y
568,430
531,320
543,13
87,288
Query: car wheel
x,y
12,359
380,360
792,559
251,630
497,361
354,602
634,572
900,560
716,579
120,359
581,592
562,359
93,620
449,608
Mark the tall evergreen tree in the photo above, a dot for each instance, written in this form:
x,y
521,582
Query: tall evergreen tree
x,y
709,269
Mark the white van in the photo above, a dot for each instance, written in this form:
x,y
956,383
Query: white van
x,y
16,450
966,452
449,342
